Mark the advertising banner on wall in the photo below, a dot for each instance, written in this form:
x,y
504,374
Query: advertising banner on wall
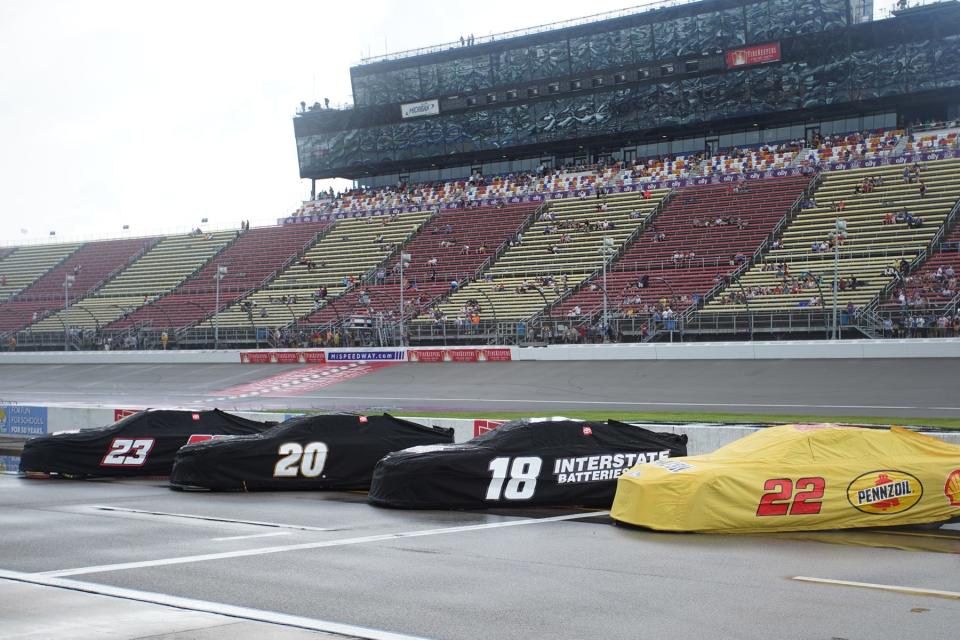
x,y
20,420
757,54
420,109
459,355
283,357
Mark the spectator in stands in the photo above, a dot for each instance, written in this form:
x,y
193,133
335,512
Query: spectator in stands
x,y
432,262
923,189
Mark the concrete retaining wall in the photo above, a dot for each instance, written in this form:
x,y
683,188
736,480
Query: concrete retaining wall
x,y
800,349
703,438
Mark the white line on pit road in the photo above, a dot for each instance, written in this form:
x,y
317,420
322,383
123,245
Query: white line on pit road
x,y
190,516
911,591
243,553
189,604
255,535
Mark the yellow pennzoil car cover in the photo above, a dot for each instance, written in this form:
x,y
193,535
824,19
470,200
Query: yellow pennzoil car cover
x,y
797,478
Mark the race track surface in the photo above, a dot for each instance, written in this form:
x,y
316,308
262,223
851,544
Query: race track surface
x,y
133,559
919,387
331,559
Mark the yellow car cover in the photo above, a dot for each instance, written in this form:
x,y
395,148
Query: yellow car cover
x,y
797,478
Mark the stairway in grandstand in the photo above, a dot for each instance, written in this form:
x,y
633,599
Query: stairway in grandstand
x,y
698,220
348,250
23,265
158,271
90,266
460,241
514,288
254,257
786,279
931,288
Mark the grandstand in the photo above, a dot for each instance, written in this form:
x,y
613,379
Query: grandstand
x,y
452,246
701,236
715,144
794,275
158,271
560,250
346,253
253,258
89,267
929,291
23,265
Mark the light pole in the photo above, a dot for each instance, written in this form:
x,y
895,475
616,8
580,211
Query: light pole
x,y
605,251
67,283
838,235
404,262
220,275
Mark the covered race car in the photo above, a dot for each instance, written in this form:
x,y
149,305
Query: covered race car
x,y
523,463
142,444
335,451
798,477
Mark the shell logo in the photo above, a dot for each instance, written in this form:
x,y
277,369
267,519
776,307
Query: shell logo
x,y
882,493
952,488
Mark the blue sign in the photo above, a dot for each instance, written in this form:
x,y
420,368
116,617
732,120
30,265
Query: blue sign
x,y
9,464
18,420
352,356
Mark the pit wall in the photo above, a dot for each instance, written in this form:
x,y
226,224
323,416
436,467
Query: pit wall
x,y
801,349
33,420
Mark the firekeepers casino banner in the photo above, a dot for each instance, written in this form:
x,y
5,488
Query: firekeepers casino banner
x,y
283,357
798,477
380,355
757,54
522,463
458,355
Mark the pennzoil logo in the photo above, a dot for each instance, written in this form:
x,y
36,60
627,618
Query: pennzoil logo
x,y
951,488
885,492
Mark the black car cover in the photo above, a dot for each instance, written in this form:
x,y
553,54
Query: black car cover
x,y
522,463
334,451
142,444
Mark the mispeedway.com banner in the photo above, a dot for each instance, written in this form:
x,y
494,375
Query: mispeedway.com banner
x,y
321,356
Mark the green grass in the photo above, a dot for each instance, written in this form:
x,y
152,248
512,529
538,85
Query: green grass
x,y
642,416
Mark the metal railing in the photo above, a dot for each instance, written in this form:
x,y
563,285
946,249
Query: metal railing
x,y
516,33
612,258
763,248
